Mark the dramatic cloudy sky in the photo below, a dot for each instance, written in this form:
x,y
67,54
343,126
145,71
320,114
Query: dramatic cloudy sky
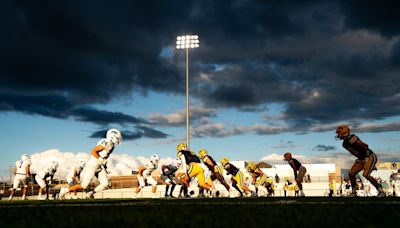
x,y
269,77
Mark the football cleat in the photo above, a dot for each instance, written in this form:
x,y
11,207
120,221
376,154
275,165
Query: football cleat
x,y
353,194
381,194
90,195
63,191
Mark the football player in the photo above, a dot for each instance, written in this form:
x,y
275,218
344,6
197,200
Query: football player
x,y
216,172
144,175
44,179
260,179
237,177
298,170
191,165
97,165
168,176
74,175
22,173
366,159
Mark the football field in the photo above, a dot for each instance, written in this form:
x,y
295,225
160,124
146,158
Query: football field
x,y
204,212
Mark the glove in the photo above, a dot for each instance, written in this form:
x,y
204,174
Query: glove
x,y
49,183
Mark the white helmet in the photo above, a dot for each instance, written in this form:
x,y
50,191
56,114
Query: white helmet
x,y
25,157
177,162
82,164
114,135
54,165
154,158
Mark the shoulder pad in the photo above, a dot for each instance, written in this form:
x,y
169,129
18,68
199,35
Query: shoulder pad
x,y
353,139
106,143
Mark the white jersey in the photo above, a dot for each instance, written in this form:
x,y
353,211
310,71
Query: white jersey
x,y
108,148
21,166
149,168
72,174
51,171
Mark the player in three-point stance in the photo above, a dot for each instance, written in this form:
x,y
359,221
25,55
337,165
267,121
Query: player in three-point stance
x,y
366,159
237,177
22,174
168,176
259,179
74,175
44,179
298,170
97,165
144,175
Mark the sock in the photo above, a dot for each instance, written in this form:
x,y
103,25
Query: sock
x,y
166,190
172,189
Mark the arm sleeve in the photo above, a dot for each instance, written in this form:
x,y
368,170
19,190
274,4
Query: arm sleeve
x,y
96,150
183,159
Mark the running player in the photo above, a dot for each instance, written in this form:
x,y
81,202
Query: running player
x,y
366,159
22,173
144,175
192,168
298,170
216,172
97,165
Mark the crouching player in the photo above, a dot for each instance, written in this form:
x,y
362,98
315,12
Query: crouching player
x,y
298,170
366,159
97,165
73,177
22,174
260,179
191,165
168,176
44,179
144,175
237,177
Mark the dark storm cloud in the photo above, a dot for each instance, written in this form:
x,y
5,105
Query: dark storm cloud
x,y
104,117
325,61
321,147
140,132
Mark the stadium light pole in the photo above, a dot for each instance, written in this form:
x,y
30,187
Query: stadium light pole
x,y
186,42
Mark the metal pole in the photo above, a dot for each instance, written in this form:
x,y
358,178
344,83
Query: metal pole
x,y
187,97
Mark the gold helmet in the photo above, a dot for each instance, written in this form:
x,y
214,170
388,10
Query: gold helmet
x,y
251,167
181,146
224,161
287,156
342,131
202,153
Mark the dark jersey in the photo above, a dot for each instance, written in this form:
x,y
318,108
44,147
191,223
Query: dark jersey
x,y
294,164
209,158
356,147
189,156
231,169
169,170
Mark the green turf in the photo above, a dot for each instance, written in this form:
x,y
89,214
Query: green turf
x,y
247,212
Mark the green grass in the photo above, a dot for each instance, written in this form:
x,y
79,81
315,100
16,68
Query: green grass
x,y
247,212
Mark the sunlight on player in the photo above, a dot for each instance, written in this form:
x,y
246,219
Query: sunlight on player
x,y
22,174
97,165
366,159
